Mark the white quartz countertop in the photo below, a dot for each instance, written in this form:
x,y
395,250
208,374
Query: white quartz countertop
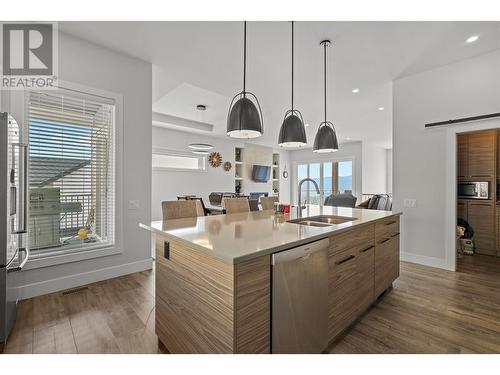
x,y
238,237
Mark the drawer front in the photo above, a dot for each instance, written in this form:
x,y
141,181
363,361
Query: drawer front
x,y
386,263
365,269
386,227
352,238
342,279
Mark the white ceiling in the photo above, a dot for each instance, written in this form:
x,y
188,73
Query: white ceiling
x,y
201,63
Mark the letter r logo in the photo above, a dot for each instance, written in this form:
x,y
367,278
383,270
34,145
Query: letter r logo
x,y
27,49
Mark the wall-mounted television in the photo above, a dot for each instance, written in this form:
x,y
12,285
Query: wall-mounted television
x,y
261,173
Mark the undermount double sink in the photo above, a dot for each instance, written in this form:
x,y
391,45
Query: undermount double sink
x,y
322,220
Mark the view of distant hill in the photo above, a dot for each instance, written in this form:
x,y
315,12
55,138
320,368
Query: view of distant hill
x,y
345,183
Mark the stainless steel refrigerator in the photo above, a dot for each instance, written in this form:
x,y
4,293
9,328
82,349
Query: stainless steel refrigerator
x,y
14,252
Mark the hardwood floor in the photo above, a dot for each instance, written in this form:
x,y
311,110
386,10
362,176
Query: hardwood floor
x,y
427,311
433,311
112,316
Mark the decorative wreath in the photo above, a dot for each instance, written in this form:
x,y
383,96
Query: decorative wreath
x,y
227,166
215,159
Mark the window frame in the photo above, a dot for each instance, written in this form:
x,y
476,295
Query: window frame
x,y
203,160
320,161
49,258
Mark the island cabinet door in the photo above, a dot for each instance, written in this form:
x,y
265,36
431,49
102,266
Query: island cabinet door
x,y
386,263
365,268
386,253
342,280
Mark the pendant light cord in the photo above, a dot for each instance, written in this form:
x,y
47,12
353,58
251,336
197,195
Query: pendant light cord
x,y
292,66
244,56
324,46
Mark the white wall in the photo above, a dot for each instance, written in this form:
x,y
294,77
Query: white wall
x,y
374,169
167,185
347,151
388,158
467,88
92,66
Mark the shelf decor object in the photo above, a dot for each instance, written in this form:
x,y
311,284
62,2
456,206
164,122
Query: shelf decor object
x,y
292,132
245,119
285,172
215,159
227,166
326,137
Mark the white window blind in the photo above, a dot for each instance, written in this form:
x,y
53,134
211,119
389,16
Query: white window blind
x,y
71,170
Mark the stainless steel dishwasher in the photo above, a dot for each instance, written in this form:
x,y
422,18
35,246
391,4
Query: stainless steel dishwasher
x,y
300,299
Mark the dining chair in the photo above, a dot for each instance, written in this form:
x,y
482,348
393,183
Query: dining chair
x,y
200,205
236,205
178,209
267,203
253,204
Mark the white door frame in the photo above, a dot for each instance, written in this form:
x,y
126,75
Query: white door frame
x,y
451,183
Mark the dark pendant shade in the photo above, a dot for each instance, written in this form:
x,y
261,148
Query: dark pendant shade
x,y
245,118
292,132
326,139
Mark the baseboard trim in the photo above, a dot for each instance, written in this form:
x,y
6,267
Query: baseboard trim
x,y
79,279
424,260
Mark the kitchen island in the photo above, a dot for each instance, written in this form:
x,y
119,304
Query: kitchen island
x,y
214,274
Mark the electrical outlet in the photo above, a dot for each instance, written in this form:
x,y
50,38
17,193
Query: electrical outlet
x,y
133,204
410,203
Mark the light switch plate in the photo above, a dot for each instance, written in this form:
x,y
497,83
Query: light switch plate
x,y
410,203
133,204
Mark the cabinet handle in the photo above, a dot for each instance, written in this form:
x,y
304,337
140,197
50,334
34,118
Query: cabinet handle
x,y
345,260
368,248
395,234
391,222
166,249
384,240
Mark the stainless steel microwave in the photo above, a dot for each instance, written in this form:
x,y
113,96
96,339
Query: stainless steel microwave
x,y
473,190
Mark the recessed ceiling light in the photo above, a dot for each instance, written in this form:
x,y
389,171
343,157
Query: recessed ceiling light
x,y
381,108
472,39
306,125
200,152
347,138
200,146
355,91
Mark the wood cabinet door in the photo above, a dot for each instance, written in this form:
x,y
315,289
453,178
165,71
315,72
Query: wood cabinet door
x,y
498,230
498,153
386,263
342,294
462,156
481,217
462,209
365,269
482,154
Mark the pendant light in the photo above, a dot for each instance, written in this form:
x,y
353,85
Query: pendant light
x,y
244,119
292,132
326,137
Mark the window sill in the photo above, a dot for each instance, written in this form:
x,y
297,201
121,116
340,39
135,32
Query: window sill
x,y
69,256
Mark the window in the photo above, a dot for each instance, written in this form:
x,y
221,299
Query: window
x,y
344,179
332,178
71,171
178,160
